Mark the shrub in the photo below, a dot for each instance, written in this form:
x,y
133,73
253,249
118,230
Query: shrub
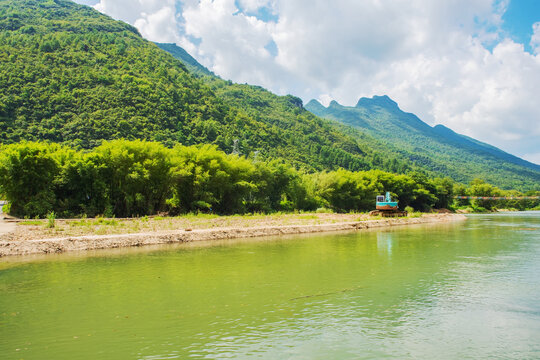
x,y
51,219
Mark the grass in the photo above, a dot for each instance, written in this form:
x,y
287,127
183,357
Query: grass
x,y
308,217
106,226
200,216
31,223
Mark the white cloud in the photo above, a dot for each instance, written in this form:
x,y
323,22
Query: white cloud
x,y
155,19
234,45
159,26
446,61
535,39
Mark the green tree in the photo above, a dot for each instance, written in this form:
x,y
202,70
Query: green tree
x,y
27,174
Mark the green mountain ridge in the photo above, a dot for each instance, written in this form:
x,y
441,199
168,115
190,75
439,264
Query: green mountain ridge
x,y
189,61
440,148
428,159
70,74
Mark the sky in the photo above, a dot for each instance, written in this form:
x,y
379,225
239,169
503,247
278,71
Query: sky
x,y
471,65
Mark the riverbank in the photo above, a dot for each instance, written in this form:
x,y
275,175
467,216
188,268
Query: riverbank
x,y
32,237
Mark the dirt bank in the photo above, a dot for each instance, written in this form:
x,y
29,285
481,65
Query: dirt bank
x,y
91,242
6,227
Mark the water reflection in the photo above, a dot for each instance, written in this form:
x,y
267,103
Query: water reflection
x,y
385,243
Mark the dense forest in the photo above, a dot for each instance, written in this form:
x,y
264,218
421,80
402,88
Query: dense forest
x,y
72,75
397,141
135,178
72,80
437,148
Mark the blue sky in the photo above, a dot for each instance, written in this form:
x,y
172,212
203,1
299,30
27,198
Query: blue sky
x,y
519,18
471,65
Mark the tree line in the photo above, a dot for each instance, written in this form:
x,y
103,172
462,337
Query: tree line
x,y
134,178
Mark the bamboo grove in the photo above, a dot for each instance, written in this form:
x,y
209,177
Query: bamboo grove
x,y
134,178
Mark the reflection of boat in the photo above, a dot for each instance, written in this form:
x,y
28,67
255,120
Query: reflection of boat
x,y
386,207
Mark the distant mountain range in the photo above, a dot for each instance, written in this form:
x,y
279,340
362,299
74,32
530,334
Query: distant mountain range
x,y
438,148
70,74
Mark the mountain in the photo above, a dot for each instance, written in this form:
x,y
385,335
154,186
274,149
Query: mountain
x,y
437,148
70,74
269,108
392,135
191,64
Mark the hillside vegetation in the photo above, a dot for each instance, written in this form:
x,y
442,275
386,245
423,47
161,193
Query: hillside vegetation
x,y
392,139
135,178
437,148
117,126
72,75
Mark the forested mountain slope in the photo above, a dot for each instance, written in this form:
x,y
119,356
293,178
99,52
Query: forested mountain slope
x,y
191,64
264,106
70,74
396,139
438,148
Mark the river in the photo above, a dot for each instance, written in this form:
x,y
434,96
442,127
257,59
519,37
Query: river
x,y
464,290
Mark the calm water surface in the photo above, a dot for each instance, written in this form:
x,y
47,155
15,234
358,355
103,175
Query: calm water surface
x,y
450,291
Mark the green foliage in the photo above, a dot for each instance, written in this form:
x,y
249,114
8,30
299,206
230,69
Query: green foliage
x,y
131,178
137,175
27,177
206,179
295,134
51,217
344,191
6,209
71,75
478,187
435,150
31,223
444,191
193,66
137,178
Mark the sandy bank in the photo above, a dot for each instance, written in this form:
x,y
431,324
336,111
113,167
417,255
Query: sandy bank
x,y
92,242
6,227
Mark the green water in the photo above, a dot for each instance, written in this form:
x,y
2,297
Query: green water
x,y
450,291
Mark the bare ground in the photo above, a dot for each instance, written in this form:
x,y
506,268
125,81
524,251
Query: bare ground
x,y
6,227
33,237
